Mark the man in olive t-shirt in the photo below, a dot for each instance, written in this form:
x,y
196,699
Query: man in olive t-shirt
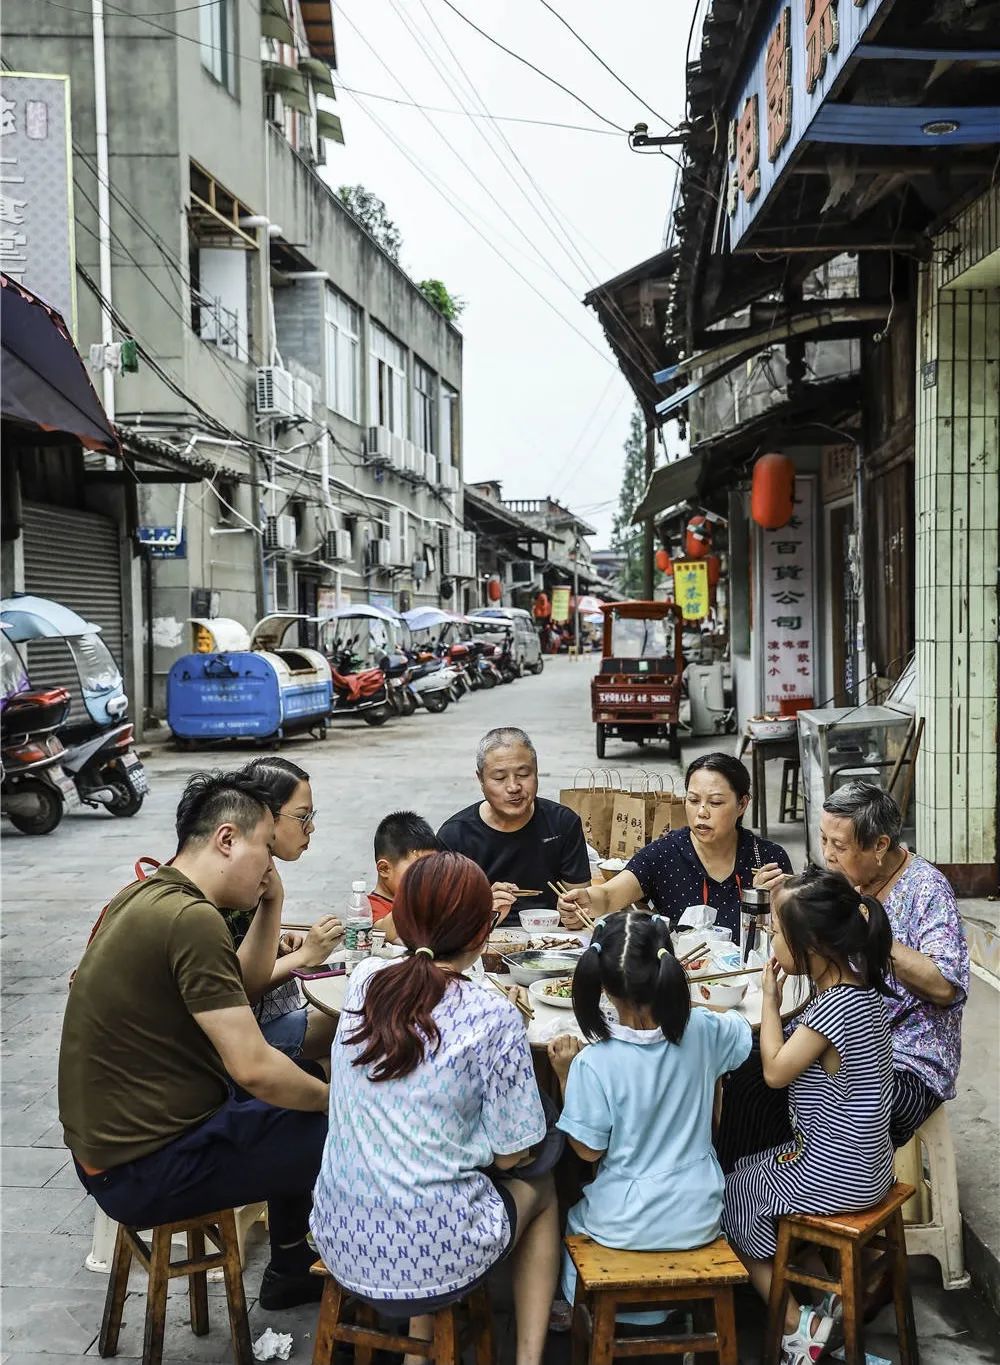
x,y
158,1028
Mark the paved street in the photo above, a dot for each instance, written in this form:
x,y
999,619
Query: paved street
x,y
53,890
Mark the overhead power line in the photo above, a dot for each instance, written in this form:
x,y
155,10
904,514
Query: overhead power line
x,y
468,113
532,67
598,58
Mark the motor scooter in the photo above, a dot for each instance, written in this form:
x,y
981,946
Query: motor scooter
x,y
34,790
358,691
431,683
98,751
396,669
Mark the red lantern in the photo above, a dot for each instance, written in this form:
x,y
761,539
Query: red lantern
x,y
772,496
663,562
714,565
698,537
494,590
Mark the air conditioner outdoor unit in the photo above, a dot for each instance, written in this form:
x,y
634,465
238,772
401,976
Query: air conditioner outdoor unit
x,y
379,552
379,445
450,479
338,546
397,452
303,397
431,468
275,392
415,459
279,533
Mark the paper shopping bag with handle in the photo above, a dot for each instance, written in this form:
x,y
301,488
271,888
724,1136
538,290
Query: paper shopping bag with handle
x,y
669,812
593,802
628,824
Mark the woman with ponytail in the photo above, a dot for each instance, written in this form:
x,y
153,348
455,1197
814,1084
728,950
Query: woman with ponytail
x,y
433,1107
639,1101
837,1064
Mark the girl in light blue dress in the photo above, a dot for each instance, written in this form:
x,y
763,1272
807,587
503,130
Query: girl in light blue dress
x,y
639,1099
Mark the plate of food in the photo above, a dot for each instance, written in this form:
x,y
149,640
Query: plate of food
x,y
556,991
504,942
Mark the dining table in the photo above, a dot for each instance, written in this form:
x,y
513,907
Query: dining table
x,y
327,993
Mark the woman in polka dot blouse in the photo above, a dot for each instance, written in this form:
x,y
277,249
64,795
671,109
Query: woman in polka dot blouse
x,y
708,863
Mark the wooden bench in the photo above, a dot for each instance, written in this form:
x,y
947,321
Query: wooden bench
x,y
219,1228
858,1278
609,1282
462,1323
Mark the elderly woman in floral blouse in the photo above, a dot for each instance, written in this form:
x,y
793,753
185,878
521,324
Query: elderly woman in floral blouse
x,y
859,835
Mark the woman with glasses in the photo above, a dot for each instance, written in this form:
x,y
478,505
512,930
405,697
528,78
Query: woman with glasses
x,y
267,956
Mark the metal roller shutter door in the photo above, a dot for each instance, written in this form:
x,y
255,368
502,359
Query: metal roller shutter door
x,y
73,558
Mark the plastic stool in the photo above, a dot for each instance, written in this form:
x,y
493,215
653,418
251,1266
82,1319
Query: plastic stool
x,y
932,1219
788,804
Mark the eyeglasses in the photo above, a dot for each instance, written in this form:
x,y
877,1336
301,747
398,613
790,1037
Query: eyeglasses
x,y
304,820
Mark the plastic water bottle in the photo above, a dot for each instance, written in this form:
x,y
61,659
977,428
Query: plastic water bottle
x,y
358,926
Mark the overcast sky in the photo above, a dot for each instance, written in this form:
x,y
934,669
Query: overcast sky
x,y
544,411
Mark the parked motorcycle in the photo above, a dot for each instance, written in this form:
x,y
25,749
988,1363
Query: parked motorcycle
x,y
359,691
503,657
98,752
431,683
105,768
396,670
34,790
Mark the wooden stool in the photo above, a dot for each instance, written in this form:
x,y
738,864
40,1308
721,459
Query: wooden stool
x,y
609,1281
220,1229
450,1337
932,1219
849,1235
788,804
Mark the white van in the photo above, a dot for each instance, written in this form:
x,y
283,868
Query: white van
x,y
527,646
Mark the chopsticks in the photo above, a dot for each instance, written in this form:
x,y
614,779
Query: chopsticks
x,y
526,1010
721,976
523,891
561,889
692,953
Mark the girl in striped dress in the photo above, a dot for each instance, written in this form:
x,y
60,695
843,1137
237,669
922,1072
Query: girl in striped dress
x,y
836,1060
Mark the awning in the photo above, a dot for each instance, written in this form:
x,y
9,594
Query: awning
x,y
329,126
274,22
43,383
319,74
317,16
288,83
671,483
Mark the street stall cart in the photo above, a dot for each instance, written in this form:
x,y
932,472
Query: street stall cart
x,y
637,692
239,686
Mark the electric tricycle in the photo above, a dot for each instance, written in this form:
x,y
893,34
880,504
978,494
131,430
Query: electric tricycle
x,y
637,693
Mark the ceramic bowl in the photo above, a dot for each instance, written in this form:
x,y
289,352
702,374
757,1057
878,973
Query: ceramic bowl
x,y
720,995
535,920
538,993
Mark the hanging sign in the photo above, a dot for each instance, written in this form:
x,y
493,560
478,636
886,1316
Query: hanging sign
x,y
803,49
691,588
788,608
560,604
36,195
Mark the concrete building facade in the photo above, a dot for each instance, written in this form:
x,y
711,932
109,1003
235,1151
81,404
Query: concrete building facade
x,y
294,426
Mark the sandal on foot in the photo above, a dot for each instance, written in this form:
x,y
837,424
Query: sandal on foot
x,y
807,1343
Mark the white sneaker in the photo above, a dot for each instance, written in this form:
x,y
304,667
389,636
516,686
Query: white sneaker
x,y
805,1345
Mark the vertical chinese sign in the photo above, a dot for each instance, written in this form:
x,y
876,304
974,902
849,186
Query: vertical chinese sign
x,y
788,608
691,587
36,189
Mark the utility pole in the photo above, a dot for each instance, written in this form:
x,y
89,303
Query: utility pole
x,y
576,588
648,532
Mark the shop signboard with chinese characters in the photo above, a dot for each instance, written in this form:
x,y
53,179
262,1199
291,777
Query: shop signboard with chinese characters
x,y
787,617
37,246
560,605
804,49
691,588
